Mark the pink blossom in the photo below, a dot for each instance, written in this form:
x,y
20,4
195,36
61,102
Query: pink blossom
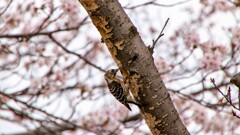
x,y
235,33
216,124
223,5
61,76
206,46
211,61
161,64
213,55
71,11
121,112
200,116
104,118
191,39
205,2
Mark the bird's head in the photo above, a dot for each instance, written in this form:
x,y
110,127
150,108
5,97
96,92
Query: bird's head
x,y
110,74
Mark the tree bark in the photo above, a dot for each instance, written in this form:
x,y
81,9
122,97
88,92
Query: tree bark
x,y
137,66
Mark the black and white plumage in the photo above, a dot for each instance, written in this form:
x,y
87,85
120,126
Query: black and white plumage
x,y
116,87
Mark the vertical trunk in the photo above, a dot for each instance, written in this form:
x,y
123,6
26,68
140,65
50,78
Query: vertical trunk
x,y
136,64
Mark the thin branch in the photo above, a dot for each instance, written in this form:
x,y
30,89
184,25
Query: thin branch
x,y
234,3
157,4
29,35
78,55
179,63
46,130
161,33
227,97
4,10
40,110
159,36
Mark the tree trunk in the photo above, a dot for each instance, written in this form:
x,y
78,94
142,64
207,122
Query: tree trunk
x,y
137,66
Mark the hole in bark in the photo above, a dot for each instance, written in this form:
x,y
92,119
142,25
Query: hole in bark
x,y
132,72
134,57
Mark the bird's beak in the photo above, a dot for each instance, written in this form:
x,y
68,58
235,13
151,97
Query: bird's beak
x,y
116,70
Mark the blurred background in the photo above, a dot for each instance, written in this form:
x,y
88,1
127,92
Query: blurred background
x,y
52,64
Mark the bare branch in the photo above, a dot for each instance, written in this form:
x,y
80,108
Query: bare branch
x,y
159,36
157,4
5,9
78,55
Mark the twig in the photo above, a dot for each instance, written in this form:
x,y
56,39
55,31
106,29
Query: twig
x,y
78,55
234,3
38,109
46,33
177,64
227,97
157,4
159,36
4,10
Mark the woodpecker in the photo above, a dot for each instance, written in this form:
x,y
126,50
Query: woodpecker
x,y
116,87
